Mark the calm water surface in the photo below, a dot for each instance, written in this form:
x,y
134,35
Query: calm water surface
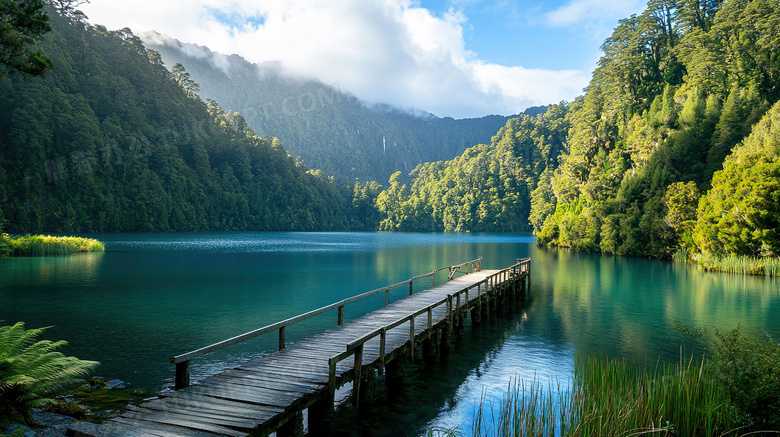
x,y
150,296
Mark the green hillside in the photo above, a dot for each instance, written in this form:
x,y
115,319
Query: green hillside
x,y
678,87
487,188
110,140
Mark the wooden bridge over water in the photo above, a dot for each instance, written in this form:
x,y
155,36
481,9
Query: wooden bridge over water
x,y
270,393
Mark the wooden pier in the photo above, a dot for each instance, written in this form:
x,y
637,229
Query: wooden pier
x,y
270,393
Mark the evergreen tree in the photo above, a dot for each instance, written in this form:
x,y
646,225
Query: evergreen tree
x,y
21,23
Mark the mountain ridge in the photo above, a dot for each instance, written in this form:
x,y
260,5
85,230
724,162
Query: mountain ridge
x,y
319,124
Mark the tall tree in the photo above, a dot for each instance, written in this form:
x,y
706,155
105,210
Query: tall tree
x,y
21,22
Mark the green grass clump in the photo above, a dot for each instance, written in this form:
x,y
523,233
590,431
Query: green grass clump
x,y
42,245
681,255
616,398
742,264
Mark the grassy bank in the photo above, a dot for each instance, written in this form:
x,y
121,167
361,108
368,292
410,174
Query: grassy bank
x,y
741,264
41,245
616,398
748,265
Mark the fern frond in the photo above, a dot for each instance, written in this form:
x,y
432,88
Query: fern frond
x,y
32,371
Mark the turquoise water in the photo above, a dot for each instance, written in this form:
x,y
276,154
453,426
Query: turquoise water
x,y
150,296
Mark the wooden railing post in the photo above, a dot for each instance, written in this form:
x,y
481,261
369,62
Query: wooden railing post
x,y
528,269
411,285
358,374
411,339
182,378
281,338
331,384
479,298
341,315
382,341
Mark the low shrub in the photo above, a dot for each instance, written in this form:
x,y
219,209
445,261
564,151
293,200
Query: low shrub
x,y
748,368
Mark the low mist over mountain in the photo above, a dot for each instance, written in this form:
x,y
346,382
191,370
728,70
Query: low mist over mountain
x,y
326,128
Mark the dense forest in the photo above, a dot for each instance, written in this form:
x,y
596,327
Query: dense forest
x,y
635,166
110,140
673,146
318,123
678,87
487,188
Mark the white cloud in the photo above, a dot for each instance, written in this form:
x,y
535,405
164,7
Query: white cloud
x,y
383,51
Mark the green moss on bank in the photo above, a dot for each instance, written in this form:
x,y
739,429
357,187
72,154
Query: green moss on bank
x,y
43,245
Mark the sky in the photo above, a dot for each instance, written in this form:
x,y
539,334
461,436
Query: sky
x,y
453,58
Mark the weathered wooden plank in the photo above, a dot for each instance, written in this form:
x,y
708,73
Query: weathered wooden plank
x,y
116,429
220,380
315,373
150,420
288,378
132,427
220,403
196,416
219,409
243,396
226,390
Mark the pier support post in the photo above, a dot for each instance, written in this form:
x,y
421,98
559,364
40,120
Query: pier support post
x,y
182,378
446,338
394,372
319,415
293,427
457,320
430,347
367,387
476,317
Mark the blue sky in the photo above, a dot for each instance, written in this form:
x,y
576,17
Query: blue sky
x,y
513,33
523,33
458,58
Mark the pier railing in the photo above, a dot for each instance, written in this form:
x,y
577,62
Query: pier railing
x,y
355,347
182,378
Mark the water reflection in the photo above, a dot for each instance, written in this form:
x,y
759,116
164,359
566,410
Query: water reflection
x,y
49,270
153,295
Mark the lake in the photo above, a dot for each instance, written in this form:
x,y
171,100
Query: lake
x,y
150,296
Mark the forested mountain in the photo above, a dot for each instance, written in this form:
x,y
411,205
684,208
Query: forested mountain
x,y
326,128
678,87
487,188
110,140
620,170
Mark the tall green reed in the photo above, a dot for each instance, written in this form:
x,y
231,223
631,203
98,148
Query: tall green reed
x,y
742,264
611,397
